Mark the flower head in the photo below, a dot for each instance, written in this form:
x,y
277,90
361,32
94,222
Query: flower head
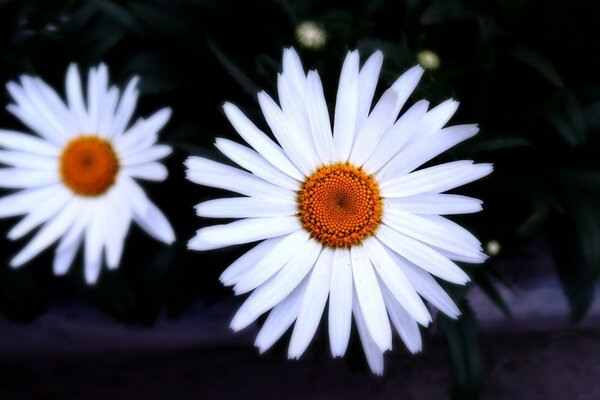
x,y
77,173
344,214
311,35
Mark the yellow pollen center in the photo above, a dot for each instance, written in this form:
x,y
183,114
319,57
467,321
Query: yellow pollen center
x,y
340,205
89,166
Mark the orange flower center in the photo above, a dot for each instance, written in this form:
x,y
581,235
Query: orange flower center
x,y
89,166
340,205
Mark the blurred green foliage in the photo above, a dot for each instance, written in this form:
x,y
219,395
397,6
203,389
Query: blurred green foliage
x,y
526,71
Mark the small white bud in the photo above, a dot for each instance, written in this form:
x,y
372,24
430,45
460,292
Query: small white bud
x,y
428,59
311,35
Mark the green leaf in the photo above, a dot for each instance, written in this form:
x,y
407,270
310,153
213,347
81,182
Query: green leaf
x,y
486,285
120,15
467,365
236,72
538,62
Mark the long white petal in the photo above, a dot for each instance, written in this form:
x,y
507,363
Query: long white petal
x,y
436,204
13,140
292,67
393,141
346,105
422,255
210,173
370,299
372,350
395,280
154,222
153,153
125,109
52,205
20,178
313,304
318,116
49,233
232,274
277,288
432,233
437,179
94,242
284,132
255,163
280,318
64,257
28,160
261,142
75,98
245,207
427,287
273,261
405,85
367,83
153,171
415,155
405,325
340,302
243,231
24,201
378,123
142,134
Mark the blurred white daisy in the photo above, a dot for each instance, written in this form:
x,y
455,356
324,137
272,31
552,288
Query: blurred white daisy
x,y
311,35
77,177
343,213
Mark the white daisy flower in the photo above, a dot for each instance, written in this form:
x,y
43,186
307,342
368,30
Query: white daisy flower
x,y
343,213
77,177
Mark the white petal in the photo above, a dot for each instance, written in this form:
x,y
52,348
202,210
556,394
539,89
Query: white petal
x,y
393,141
49,233
210,173
273,261
277,288
64,257
395,280
427,287
422,255
280,319
318,116
154,153
370,299
340,302
432,233
405,325
142,134
75,98
153,171
405,85
232,274
134,193
19,178
107,112
378,123
19,141
284,132
54,203
154,222
261,142
125,109
94,242
24,201
346,107
438,204
435,119
292,67
296,114
367,83
372,351
255,163
416,154
28,161
313,304
243,231
117,221
437,179
245,207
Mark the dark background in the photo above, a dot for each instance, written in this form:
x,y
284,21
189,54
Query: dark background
x,y
526,71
